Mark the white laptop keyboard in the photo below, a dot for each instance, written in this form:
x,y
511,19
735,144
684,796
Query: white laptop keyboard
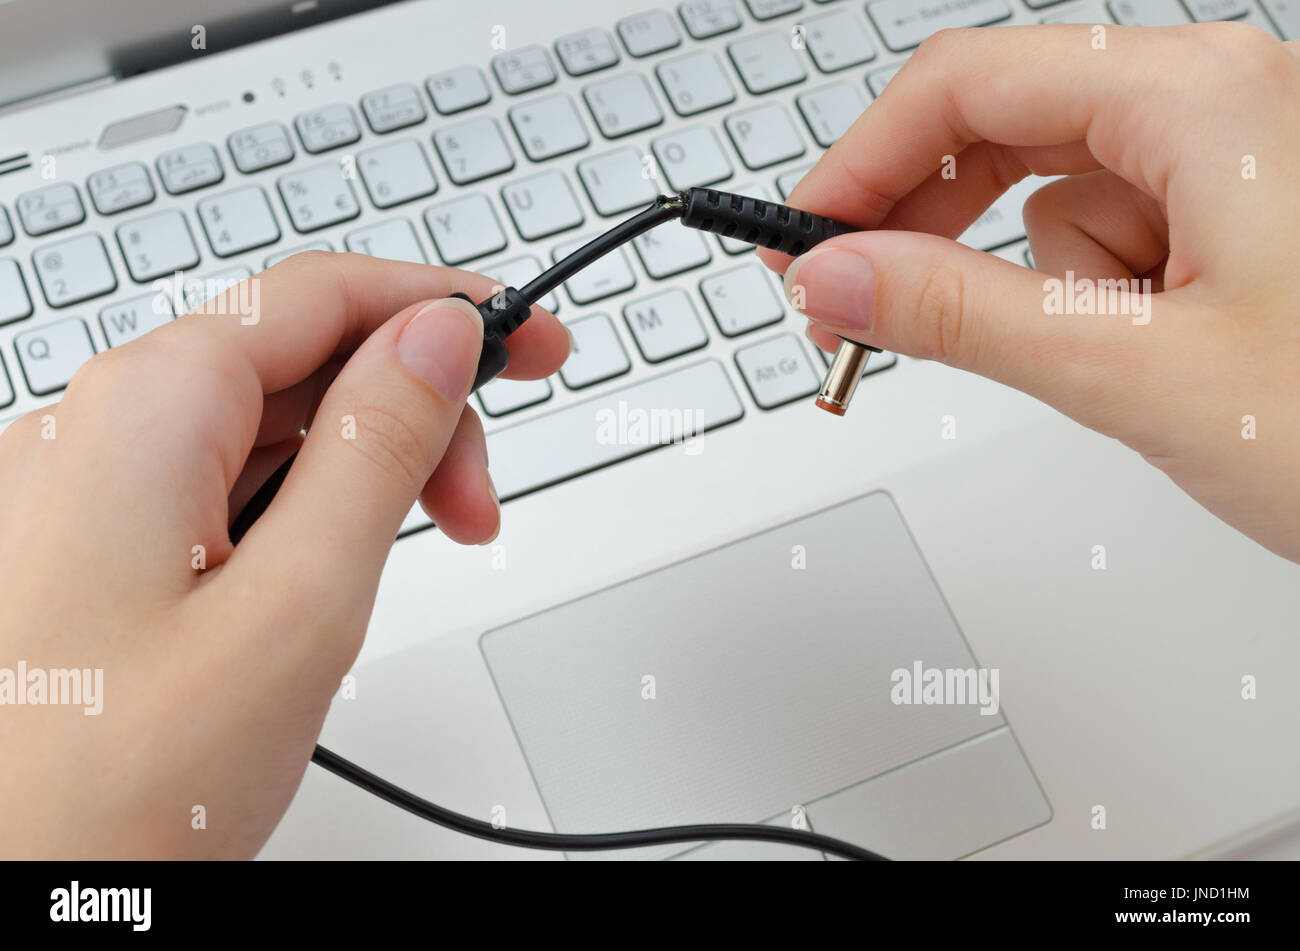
x,y
714,92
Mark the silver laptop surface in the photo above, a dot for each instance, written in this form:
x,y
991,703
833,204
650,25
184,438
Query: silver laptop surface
x,y
887,627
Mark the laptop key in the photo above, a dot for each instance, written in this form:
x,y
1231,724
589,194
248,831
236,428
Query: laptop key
x,y
387,110
393,240
260,146
6,394
500,396
1207,11
189,168
831,110
559,445
455,90
764,135
651,32
1003,222
273,259
768,9
473,150
196,290
766,61
1285,14
542,205
519,271
1148,12
777,371
670,249
548,127
524,69
51,354
329,127
665,325
786,181
157,245
120,188
838,40
464,229
604,277
6,227
238,221
879,79
706,18
615,182
15,302
903,24
695,83
134,318
741,300
1088,13
318,197
74,270
396,173
597,354
586,51
691,157
51,208
622,105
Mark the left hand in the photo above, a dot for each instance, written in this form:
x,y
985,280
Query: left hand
x,y
219,663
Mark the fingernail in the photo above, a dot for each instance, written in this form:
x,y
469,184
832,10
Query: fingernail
x,y
492,491
441,345
833,285
570,333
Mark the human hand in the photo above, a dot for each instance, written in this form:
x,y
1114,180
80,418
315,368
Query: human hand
x,y
1182,151
219,663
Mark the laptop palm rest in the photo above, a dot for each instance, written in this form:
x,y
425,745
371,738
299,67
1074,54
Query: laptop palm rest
x,y
758,682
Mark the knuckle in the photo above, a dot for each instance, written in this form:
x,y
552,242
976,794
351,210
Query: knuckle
x,y
1237,38
1006,168
937,45
163,363
940,314
26,426
1044,204
386,439
1247,56
98,377
313,259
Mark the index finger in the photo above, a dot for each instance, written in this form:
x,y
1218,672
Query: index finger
x,y
288,321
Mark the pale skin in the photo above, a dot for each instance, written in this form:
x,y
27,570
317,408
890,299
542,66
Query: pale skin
x,y
217,680
1194,184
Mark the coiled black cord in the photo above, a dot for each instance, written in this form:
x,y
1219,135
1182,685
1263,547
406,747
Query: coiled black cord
x,y
748,219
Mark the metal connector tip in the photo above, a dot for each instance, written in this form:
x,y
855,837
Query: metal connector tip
x,y
842,377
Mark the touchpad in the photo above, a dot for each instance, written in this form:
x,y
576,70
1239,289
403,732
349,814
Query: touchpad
x,y
811,673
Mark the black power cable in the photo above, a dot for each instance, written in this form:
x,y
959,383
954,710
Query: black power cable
x,y
747,219
560,842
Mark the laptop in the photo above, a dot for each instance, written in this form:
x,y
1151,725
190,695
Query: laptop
x,y
950,624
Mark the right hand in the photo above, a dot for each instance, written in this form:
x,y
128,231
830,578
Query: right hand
x,y
1182,151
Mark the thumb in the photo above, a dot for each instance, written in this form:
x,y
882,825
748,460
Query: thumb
x,y
926,296
379,432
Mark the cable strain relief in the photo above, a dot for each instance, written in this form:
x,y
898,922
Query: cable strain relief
x,y
504,312
766,224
